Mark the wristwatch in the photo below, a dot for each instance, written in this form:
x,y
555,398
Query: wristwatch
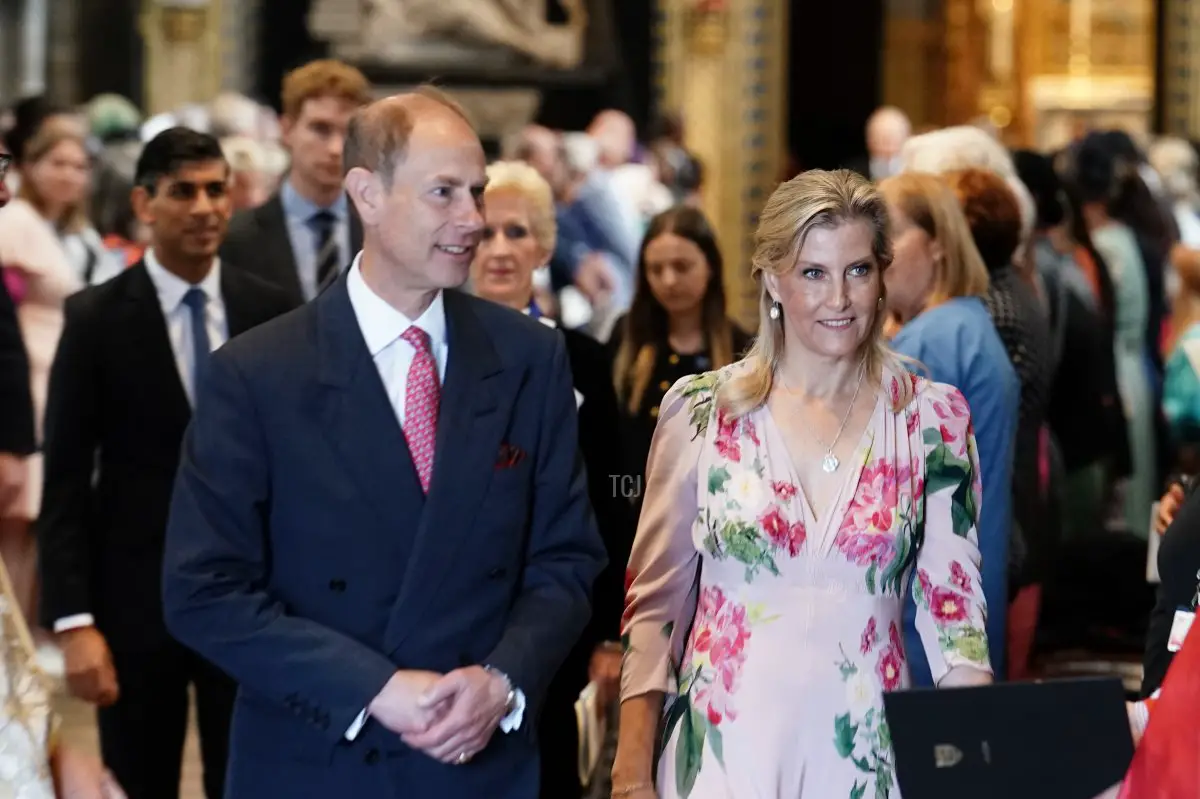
x,y
510,701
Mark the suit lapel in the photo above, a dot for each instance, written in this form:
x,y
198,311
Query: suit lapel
x,y
471,424
355,413
275,236
148,327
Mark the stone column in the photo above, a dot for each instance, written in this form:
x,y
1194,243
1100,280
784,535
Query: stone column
x,y
183,52
239,45
723,65
35,30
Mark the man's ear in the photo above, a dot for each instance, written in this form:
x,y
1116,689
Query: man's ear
x,y
365,190
140,199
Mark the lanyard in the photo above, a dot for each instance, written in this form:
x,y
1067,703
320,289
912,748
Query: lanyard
x,y
536,313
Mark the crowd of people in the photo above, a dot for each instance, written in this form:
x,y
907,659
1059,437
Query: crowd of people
x,y
286,448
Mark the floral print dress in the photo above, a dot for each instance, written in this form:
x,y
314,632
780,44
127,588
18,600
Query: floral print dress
x,y
773,633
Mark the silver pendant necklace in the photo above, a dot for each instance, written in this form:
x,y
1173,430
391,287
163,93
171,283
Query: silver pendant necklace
x,y
830,463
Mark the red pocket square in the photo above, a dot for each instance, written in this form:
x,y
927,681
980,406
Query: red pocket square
x,y
510,455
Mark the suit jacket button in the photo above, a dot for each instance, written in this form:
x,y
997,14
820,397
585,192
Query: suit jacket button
x,y
337,586
372,757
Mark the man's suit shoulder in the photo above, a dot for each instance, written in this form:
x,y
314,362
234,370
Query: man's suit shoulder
x,y
273,299
276,337
91,299
245,232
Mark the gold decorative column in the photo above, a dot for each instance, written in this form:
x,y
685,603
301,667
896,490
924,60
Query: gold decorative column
x,y
1181,116
183,52
913,61
723,66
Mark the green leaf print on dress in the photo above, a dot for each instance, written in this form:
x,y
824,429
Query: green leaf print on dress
x,y
861,734
699,392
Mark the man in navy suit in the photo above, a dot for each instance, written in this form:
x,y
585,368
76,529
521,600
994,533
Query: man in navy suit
x,y
380,527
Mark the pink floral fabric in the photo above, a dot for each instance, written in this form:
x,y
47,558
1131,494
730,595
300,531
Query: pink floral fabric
x,y
774,633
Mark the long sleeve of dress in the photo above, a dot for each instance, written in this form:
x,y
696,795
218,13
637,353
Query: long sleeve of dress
x,y
660,581
951,605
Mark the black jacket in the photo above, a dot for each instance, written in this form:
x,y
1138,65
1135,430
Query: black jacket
x,y
115,419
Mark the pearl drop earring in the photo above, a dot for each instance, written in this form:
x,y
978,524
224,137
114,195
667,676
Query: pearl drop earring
x,y
774,313
880,304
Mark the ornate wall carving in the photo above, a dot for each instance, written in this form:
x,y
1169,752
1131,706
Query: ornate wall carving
x,y
183,50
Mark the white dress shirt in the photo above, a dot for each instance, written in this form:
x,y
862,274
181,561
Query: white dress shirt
x,y
381,326
171,289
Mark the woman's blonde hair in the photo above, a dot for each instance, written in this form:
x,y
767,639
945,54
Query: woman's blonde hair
x,y
814,199
519,177
52,134
930,204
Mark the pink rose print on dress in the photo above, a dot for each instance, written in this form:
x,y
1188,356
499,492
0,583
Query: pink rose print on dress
x,y
923,579
959,577
869,637
955,407
894,637
890,667
864,550
720,633
727,440
784,490
874,504
912,423
750,431
946,606
783,534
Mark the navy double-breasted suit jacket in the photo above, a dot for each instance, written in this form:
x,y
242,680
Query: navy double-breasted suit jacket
x,y
304,560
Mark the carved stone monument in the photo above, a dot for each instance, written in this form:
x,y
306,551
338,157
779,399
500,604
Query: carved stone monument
x,y
434,34
496,57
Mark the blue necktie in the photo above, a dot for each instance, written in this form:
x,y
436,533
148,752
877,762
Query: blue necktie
x,y
196,300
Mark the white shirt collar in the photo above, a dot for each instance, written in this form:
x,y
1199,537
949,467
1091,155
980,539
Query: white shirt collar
x,y
171,287
381,324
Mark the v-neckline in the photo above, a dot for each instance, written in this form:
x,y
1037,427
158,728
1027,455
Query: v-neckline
x,y
835,512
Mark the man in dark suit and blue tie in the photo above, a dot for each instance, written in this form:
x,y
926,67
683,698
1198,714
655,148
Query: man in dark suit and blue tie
x,y
301,237
380,527
132,357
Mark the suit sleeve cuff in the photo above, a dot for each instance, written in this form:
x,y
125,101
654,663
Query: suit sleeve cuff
x,y
513,720
359,722
74,622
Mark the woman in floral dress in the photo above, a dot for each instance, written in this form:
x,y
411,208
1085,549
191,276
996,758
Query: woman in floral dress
x,y
790,496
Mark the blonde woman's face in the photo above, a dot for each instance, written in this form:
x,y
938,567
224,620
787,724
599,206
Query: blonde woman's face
x,y
61,175
830,298
909,279
509,253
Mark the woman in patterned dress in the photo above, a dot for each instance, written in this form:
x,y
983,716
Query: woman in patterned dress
x,y
791,496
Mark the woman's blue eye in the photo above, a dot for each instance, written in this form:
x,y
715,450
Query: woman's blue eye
x,y
861,270
813,274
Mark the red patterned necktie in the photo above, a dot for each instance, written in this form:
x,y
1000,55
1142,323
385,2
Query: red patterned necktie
x,y
421,399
